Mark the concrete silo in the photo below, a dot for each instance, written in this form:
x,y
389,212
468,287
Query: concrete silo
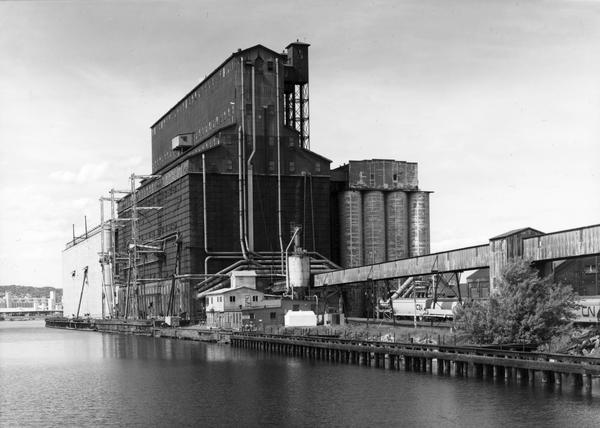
x,y
396,224
374,226
418,223
351,228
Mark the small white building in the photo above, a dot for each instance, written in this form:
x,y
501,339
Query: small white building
x,y
300,319
224,307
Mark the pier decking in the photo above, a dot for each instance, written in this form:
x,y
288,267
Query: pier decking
x,y
445,360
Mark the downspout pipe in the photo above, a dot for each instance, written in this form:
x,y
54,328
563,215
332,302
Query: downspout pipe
x,y
243,169
250,168
279,222
241,194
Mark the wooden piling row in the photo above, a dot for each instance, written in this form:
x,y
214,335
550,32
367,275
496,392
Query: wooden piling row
x,y
445,361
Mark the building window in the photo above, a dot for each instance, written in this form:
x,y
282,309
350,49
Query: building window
x,y
273,315
232,299
317,167
270,65
251,316
395,177
271,165
292,167
255,298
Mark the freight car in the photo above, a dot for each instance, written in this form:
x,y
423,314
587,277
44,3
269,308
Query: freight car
x,y
424,308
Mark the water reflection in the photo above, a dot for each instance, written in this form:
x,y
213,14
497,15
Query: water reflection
x,y
91,379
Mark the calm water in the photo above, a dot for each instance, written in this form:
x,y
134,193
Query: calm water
x,y
52,377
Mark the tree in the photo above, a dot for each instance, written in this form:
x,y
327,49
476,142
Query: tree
x,y
526,308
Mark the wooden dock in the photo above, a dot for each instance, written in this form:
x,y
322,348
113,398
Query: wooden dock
x,y
445,360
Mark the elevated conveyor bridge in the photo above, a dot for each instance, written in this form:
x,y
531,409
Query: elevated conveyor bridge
x,y
527,243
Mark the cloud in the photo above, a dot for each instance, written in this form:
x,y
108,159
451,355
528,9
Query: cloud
x,y
63,176
87,173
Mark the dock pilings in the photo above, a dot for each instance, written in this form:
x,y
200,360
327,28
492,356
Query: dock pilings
x,y
468,362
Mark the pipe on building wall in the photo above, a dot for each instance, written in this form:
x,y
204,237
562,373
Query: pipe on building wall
x,y
204,211
102,261
288,288
251,168
241,194
244,183
279,222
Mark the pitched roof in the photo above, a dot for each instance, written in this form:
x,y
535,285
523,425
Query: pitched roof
x,y
227,290
515,232
479,274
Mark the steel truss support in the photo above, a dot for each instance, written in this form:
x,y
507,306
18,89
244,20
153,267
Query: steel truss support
x,y
297,112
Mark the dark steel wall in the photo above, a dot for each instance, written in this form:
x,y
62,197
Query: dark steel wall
x,y
217,102
305,202
215,113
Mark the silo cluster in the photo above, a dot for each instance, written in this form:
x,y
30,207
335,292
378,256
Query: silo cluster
x,y
382,220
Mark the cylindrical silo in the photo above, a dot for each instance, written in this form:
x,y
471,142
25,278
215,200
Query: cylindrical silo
x,y
418,223
396,224
351,223
374,227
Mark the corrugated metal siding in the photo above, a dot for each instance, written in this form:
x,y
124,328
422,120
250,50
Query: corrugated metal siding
x,y
559,245
504,249
382,174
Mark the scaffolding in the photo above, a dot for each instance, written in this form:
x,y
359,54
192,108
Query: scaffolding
x,y
110,258
135,247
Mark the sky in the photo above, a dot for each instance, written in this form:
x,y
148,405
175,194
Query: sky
x,y
498,101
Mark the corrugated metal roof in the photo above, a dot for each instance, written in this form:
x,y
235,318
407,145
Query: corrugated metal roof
x,y
515,232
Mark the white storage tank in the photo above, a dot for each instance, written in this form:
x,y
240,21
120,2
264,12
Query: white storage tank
x,y
351,233
396,222
299,270
374,227
418,223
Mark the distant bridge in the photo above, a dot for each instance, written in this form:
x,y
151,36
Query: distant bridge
x,y
27,312
527,243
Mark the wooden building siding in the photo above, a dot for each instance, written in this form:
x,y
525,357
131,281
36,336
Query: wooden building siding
x,y
562,245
